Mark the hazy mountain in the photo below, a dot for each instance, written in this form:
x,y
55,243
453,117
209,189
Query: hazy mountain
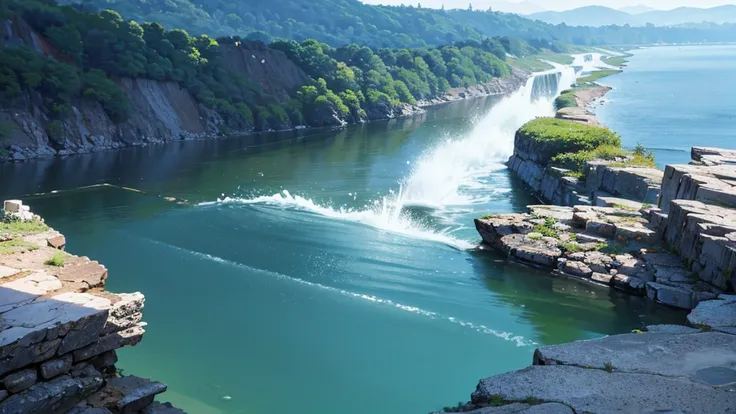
x,y
524,7
633,10
604,16
585,16
720,14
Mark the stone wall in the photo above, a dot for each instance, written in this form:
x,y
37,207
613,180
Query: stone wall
x,y
600,179
59,329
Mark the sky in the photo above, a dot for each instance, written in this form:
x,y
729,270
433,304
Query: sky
x,y
531,5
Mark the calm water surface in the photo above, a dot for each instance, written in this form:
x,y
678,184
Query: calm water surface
x,y
673,97
335,272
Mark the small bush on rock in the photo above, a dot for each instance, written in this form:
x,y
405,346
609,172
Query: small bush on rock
x,y
547,137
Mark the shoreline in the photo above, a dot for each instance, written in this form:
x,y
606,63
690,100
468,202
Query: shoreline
x,y
62,329
496,87
680,251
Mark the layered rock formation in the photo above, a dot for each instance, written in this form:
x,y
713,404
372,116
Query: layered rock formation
x,y
555,185
59,329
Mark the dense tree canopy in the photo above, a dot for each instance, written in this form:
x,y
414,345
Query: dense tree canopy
x,y
340,22
349,83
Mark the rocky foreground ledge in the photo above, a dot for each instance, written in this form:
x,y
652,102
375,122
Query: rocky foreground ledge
x,y
681,253
59,329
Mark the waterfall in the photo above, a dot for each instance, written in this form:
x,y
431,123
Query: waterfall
x,y
444,176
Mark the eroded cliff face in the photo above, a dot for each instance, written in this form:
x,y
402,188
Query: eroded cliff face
x,y
270,69
162,111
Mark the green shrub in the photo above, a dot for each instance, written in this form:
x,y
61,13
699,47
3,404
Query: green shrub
x,y
56,260
571,247
566,101
549,136
575,161
546,229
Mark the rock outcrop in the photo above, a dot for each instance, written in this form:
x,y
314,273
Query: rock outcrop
x,y
657,371
59,329
609,246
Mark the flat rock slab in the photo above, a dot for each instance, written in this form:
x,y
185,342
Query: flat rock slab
x,y
92,274
671,329
6,271
663,354
26,289
715,313
56,396
597,391
546,408
49,313
161,408
137,392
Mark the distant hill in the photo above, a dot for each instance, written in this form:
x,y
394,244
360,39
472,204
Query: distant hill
x,y
603,16
585,16
636,9
682,15
339,22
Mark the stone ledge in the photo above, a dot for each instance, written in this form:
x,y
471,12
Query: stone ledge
x,y
598,391
665,354
59,329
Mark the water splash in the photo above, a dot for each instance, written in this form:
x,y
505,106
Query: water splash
x,y
386,214
444,176
443,173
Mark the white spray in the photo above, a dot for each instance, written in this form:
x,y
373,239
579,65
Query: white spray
x,y
444,173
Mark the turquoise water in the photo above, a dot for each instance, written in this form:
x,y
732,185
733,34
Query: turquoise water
x,y
673,97
336,272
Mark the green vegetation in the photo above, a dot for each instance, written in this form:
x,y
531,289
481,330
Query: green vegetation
x,y
15,246
496,400
56,260
340,22
547,229
617,60
576,161
612,249
556,136
566,100
532,401
14,227
350,83
576,144
597,75
571,247
608,367
624,207
6,128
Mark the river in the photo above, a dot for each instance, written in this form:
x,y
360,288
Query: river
x,y
330,272
670,98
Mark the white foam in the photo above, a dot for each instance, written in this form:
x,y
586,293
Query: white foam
x,y
519,341
385,214
448,176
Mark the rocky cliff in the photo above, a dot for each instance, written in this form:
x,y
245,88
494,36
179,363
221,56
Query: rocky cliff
x,y
597,180
165,111
60,329
161,111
